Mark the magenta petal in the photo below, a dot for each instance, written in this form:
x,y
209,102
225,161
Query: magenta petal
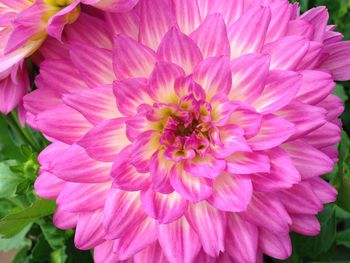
x,y
166,208
48,185
190,187
305,224
179,49
207,166
74,165
123,211
242,239
105,140
187,15
231,192
153,253
138,237
89,231
323,190
248,163
202,215
103,253
65,220
179,241
275,245
160,171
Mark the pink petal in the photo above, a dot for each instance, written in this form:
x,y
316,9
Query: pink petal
x,y
96,70
65,220
179,49
280,89
313,56
214,75
146,144
131,59
156,19
323,190
48,186
247,34
50,153
333,105
266,210
74,165
315,87
40,100
162,81
117,6
160,171
89,231
300,28
305,224
318,17
179,241
287,52
103,253
210,225
338,60
192,188
211,37
207,166
275,245
165,208
242,239
231,192
89,29
125,176
301,199
306,118
76,197
282,174
231,10
123,211
248,163
232,141
274,131
105,140
126,23
249,73
187,15
136,239
96,104
130,94
308,160
62,123
153,253
325,136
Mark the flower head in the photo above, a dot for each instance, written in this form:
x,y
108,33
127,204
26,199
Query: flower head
x,y
203,139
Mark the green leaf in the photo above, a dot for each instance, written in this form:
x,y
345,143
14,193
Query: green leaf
x,y
58,256
8,149
16,241
54,236
41,250
21,256
343,238
12,224
8,180
313,246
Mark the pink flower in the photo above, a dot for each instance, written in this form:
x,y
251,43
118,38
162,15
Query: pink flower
x,y
24,25
200,136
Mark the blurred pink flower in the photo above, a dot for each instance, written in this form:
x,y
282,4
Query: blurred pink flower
x,y
24,25
200,135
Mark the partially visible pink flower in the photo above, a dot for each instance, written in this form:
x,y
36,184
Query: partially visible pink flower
x,y
24,25
200,136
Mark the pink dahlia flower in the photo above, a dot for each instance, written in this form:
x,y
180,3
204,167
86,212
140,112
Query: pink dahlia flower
x,y
199,136
24,25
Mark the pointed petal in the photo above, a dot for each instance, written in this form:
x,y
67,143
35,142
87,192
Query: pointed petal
x,y
40,100
89,232
48,186
123,211
207,166
74,165
179,49
280,89
213,236
187,15
214,75
211,37
153,253
103,253
131,59
156,19
62,123
117,6
287,52
247,34
105,140
305,224
165,208
274,131
242,238
192,188
231,192
318,18
96,105
96,70
179,241
324,191
248,163
249,73
65,220
275,245
126,23
308,160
